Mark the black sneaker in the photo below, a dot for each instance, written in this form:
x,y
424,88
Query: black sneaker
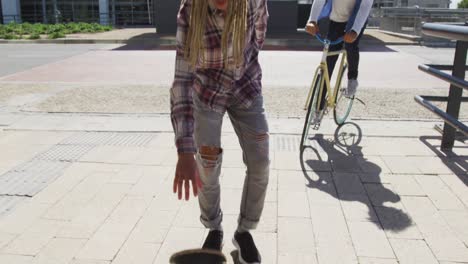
x,y
248,252
214,240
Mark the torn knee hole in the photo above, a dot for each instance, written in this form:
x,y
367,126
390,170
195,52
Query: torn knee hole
x,y
210,153
260,137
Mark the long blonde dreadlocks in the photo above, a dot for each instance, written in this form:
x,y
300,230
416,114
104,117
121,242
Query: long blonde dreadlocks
x,y
234,30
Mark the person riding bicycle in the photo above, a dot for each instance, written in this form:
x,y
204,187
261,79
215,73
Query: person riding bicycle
x,y
342,18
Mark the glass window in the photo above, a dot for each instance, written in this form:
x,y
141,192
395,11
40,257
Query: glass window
x,y
60,11
1,12
132,12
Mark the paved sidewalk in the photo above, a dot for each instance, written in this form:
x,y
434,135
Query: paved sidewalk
x,y
110,79
85,189
87,163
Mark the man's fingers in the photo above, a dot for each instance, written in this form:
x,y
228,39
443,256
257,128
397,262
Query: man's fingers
x,y
350,37
347,38
174,186
187,189
179,185
311,30
195,187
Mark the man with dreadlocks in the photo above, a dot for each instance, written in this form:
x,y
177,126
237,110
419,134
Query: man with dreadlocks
x,y
217,72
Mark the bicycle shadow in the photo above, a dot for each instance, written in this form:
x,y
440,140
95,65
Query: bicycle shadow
x,y
235,256
342,158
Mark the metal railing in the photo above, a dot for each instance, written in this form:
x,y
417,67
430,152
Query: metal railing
x,y
410,20
456,80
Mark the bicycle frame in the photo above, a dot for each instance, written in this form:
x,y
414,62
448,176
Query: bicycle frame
x,y
314,108
326,78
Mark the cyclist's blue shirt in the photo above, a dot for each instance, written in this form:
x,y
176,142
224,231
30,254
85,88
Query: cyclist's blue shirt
x,y
357,19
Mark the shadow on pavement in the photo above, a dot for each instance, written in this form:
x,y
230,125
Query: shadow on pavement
x,y
458,164
149,41
235,256
299,41
343,157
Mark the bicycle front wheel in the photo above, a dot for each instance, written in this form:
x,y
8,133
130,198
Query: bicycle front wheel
x,y
343,104
312,106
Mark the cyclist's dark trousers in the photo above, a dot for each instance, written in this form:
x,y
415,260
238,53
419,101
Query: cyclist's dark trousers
x,y
336,31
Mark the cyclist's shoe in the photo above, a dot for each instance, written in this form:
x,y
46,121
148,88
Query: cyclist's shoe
x,y
248,252
350,91
214,240
317,118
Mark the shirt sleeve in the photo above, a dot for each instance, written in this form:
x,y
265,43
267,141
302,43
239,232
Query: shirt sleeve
x,y
315,10
181,90
261,22
362,15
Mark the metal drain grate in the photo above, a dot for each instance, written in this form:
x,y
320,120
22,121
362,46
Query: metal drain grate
x,y
7,203
31,177
88,138
64,153
110,139
287,143
131,139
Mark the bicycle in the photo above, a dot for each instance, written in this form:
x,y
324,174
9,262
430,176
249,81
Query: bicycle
x,y
331,98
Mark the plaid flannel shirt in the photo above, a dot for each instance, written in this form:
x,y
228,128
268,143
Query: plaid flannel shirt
x,y
214,84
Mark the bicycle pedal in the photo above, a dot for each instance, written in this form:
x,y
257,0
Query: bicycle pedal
x,y
316,126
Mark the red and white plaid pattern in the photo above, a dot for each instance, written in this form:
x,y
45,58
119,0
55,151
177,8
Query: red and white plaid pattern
x,y
213,83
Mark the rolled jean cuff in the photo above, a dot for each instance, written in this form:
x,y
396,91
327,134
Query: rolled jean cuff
x,y
213,223
247,224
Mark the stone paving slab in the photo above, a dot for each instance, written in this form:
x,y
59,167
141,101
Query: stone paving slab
x,y
344,204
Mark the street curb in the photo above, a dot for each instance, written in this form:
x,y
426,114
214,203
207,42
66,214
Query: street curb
x,y
403,36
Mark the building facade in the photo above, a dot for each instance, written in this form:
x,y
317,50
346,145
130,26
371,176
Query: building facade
x,y
116,12
285,15
413,3
159,13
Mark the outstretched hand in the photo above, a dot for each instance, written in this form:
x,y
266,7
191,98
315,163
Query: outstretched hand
x,y
186,174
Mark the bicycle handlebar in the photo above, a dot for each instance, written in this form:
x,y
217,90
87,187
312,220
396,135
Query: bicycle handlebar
x,y
327,41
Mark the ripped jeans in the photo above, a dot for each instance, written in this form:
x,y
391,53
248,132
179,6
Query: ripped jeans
x,y
251,128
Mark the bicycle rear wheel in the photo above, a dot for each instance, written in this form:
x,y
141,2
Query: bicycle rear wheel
x,y
343,104
312,106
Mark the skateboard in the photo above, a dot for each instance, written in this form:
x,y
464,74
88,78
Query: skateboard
x,y
198,256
